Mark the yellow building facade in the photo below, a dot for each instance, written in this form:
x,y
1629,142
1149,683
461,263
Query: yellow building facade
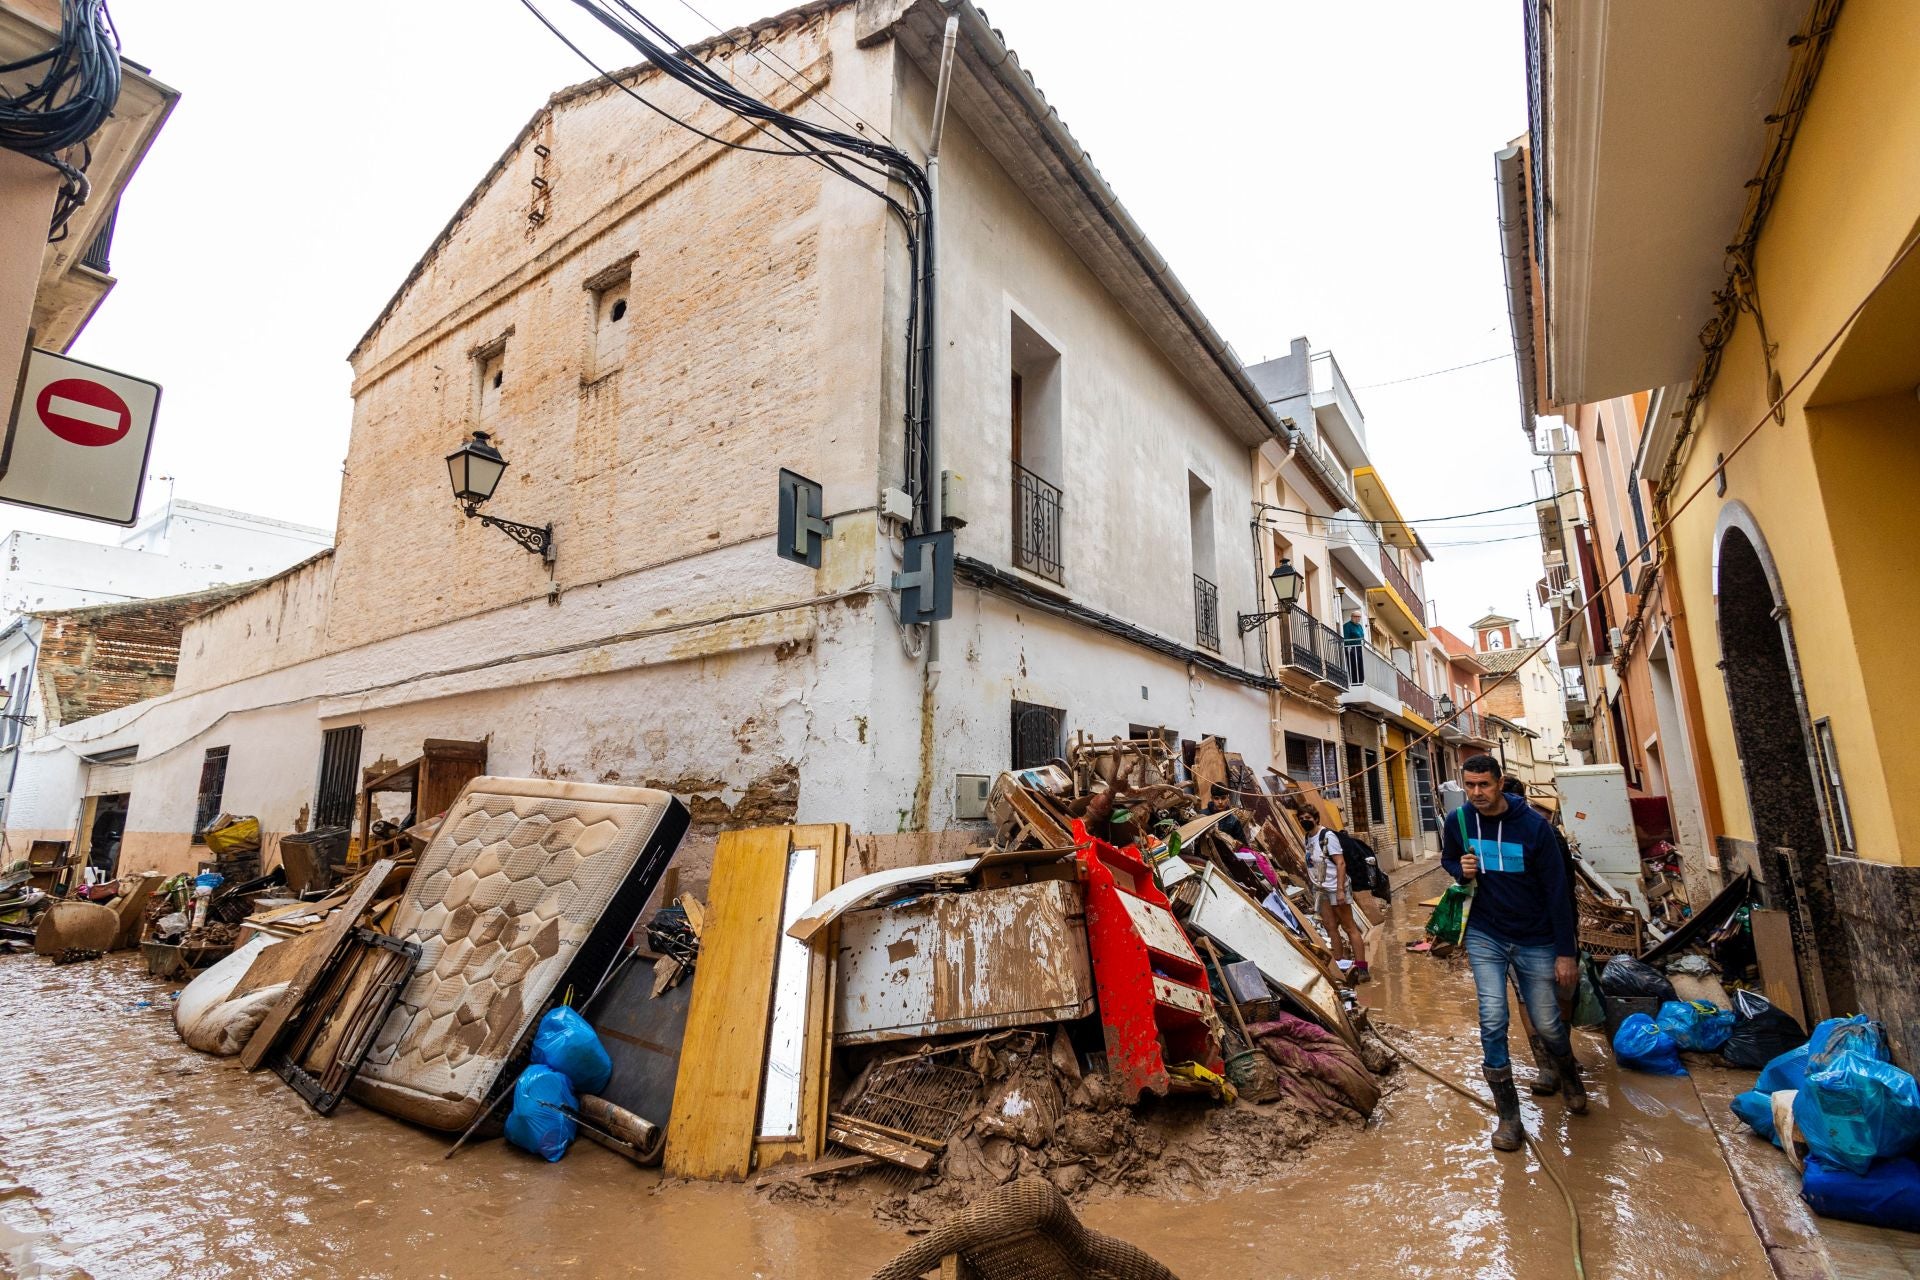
x,y
1731,231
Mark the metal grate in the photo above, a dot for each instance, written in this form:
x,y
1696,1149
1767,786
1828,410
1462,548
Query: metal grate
x,y
1206,613
213,786
1039,734
1036,526
339,777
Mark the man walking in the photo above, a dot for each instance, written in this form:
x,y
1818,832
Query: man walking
x,y
1520,921
1332,896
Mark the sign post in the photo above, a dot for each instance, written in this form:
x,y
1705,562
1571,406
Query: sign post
x,y
79,440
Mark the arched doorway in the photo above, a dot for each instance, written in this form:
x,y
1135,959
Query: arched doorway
x,y
1776,759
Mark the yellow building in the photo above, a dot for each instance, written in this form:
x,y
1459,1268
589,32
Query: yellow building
x,y
1723,216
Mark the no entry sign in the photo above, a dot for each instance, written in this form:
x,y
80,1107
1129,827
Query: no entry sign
x,y
79,440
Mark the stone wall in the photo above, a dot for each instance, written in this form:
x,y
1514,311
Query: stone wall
x,y
111,656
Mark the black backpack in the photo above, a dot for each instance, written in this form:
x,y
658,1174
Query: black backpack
x,y
1363,868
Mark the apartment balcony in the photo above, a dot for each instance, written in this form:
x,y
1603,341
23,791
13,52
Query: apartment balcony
x,y
1206,614
1468,726
1396,605
1378,687
1336,411
1416,703
1356,548
1311,652
1379,506
1037,527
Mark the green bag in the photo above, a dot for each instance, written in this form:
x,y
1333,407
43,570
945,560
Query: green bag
x,y
1588,1010
1448,923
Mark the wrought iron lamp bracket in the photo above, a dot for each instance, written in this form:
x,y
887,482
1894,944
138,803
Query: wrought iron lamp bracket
x,y
532,537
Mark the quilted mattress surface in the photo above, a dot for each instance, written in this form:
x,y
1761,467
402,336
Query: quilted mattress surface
x,y
502,902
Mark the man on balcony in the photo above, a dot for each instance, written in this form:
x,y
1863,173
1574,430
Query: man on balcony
x,y
1521,920
1354,633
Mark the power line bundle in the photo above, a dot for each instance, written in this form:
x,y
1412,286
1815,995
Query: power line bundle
x,y
69,102
842,153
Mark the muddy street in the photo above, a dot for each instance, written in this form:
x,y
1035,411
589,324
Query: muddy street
x,y
126,1154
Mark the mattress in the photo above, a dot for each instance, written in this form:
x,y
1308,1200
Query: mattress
x,y
529,887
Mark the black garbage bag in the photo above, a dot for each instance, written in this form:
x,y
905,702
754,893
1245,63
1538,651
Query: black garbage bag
x,y
1625,976
1761,1032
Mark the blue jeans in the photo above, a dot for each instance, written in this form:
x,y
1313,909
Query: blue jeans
x,y
1533,966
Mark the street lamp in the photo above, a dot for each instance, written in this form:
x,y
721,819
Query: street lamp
x,y
7,712
475,469
1286,589
1444,706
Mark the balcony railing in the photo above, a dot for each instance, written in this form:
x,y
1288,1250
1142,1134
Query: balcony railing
x,y
1376,673
1206,613
1417,700
1398,581
1036,526
1309,645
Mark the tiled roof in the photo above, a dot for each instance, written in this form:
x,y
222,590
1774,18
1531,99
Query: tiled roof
x,y
1501,661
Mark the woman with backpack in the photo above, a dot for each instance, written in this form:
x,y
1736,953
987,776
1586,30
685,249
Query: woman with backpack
x,y
1332,896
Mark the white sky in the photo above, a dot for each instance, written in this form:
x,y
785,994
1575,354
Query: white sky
x,y
1307,167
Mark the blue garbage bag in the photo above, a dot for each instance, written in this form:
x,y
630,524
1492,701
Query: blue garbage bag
x,y
535,1126
1858,1034
1788,1071
1886,1195
1696,1024
1756,1109
566,1043
1857,1110
1642,1045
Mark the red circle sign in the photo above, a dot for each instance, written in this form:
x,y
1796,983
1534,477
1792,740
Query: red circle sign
x,y
83,412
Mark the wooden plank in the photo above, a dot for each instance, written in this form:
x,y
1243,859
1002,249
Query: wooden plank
x,y
716,1098
1779,974
331,937
816,1168
277,964
885,1148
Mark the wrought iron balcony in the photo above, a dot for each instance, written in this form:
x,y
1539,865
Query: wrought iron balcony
x,y
1308,645
1417,700
1036,527
1398,581
1206,613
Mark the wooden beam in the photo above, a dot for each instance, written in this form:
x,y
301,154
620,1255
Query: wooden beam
x,y
716,1098
332,936
886,1149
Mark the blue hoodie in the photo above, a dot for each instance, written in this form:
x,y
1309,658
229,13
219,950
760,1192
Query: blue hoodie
x,y
1522,895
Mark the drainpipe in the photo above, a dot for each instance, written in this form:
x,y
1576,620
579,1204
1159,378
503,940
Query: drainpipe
x,y
20,743
936,503
936,515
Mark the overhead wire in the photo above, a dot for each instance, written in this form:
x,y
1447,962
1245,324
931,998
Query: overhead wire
x,y
1463,515
797,79
1431,373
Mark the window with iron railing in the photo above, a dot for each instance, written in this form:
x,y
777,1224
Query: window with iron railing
x,y
1036,526
1206,613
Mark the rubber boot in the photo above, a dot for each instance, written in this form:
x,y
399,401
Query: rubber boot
x,y
1508,1134
1570,1087
1547,1082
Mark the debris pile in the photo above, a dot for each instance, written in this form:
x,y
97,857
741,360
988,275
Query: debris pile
x,y
1123,986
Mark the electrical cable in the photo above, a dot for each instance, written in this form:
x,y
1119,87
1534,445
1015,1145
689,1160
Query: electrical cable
x,y
839,152
66,106
1431,373
797,79
1513,506
1573,1208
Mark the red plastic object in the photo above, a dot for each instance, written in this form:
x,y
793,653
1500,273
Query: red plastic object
x,y
1153,991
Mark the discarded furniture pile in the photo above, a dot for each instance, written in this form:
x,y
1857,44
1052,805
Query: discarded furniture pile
x,y
74,924
1035,1009
1133,946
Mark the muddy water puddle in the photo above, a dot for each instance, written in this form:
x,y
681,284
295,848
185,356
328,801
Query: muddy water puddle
x,y
125,1154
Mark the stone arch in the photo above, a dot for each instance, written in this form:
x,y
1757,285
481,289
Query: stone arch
x,y
1773,738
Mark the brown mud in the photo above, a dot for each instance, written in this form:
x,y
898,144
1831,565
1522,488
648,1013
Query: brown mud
x,y
125,1154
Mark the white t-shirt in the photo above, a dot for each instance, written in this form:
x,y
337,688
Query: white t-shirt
x,y
1326,864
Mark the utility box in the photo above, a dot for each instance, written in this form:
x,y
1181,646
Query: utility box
x,y
1594,808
